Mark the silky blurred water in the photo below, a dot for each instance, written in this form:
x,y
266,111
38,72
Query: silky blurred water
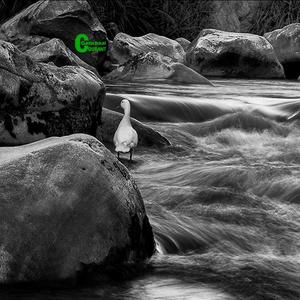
x,y
223,199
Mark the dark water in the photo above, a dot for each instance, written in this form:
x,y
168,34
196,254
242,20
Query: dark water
x,y
223,200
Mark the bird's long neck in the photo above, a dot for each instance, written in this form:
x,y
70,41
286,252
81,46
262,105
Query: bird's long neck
x,y
127,111
126,117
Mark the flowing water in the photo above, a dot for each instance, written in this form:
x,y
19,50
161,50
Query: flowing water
x,y
223,199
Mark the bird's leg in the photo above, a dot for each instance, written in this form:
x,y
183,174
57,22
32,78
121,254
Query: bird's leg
x,y
131,151
118,155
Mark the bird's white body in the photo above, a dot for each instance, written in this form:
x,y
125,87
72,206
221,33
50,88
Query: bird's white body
x,y
125,138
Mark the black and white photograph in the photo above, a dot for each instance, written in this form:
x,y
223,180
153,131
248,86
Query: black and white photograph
x,y
150,149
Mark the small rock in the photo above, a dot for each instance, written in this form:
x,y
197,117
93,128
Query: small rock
x,y
112,30
184,43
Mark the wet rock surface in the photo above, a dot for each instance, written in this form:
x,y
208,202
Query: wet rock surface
x,y
39,100
68,205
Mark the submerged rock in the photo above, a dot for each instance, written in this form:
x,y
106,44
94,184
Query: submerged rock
x,y
126,47
47,19
147,136
239,120
183,42
39,100
56,51
228,54
67,206
154,66
286,43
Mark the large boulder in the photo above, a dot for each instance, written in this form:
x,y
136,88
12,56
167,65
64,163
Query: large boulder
x,y
56,51
39,100
229,54
154,66
48,19
286,43
147,136
68,206
125,47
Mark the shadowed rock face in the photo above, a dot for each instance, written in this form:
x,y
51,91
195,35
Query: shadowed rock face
x,y
229,54
56,51
154,66
147,136
286,43
39,100
66,204
125,47
48,19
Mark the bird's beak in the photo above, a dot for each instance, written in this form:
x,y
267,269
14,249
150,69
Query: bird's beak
x,y
118,106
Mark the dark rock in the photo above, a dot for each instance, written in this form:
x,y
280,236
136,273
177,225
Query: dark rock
x,y
56,51
147,136
39,100
154,66
48,19
2,35
286,43
228,54
126,47
68,205
110,63
112,30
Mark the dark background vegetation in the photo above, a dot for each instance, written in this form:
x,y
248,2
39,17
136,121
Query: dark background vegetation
x,y
172,18
275,14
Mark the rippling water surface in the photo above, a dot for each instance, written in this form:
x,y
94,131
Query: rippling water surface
x,y
223,200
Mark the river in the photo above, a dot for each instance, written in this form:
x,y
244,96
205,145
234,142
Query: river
x,y
223,199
